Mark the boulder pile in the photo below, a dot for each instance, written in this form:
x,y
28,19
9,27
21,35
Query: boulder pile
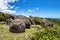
x,y
18,24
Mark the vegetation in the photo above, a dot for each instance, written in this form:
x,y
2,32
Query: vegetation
x,y
5,34
48,33
40,33
37,20
56,21
3,16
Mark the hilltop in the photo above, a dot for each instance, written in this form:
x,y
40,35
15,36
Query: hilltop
x,y
37,33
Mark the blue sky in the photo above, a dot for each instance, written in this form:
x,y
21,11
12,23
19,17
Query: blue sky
x,y
40,8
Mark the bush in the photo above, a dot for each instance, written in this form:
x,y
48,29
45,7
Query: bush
x,y
48,34
3,16
37,20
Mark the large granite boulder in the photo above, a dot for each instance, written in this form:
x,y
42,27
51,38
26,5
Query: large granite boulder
x,y
27,23
46,22
17,26
31,19
26,20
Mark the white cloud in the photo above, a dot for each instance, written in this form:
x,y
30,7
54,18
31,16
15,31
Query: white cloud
x,y
10,1
8,11
4,6
37,8
29,10
33,10
11,7
16,8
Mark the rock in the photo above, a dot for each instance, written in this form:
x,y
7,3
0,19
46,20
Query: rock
x,y
12,16
21,17
46,22
26,20
8,21
31,19
17,26
27,23
35,26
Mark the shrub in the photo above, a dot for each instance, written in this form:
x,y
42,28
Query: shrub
x,y
37,20
48,34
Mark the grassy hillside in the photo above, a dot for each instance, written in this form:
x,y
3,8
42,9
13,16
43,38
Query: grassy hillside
x,y
6,35
40,33
55,21
49,33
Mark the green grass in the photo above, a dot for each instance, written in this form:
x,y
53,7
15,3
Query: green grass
x,y
2,23
40,33
48,33
6,35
